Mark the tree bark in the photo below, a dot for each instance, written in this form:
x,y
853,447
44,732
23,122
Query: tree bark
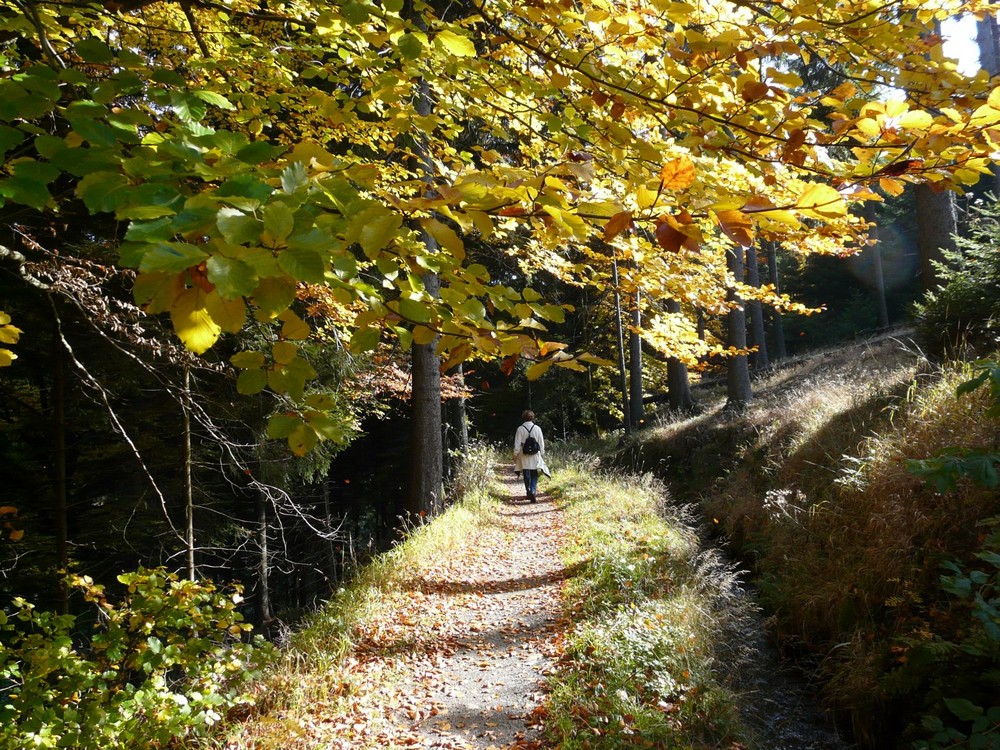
x,y
60,478
937,223
759,358
738,390
635,366
878,278
988,39
777,326
264,615
622,379
188,476
456,427
678,383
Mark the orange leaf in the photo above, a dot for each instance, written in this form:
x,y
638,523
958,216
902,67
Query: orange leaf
x,y
669,238
16,535
737,226
508,365
600,98
617,224
618,109
755,90
677,174
513,211
8,510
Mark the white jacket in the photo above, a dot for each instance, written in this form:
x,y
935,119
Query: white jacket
x,y
534,461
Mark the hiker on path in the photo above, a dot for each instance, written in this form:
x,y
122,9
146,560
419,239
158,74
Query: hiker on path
x,y
529,457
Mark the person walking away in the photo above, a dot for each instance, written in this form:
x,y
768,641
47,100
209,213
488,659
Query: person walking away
x,y
529,452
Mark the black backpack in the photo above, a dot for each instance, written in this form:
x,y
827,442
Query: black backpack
x,y
530,446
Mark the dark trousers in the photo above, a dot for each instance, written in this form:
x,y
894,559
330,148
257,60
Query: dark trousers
x,y
530,480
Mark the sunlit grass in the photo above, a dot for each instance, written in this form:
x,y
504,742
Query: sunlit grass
x,y
649,617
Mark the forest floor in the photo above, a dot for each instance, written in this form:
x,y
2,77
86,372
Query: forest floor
x,y
468,644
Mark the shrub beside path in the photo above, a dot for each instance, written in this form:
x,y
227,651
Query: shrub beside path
x,y
468,645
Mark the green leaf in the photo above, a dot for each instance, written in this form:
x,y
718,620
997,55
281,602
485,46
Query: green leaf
x,y
273,296
302,440
251,381
284,352
410,46
365,339
380,227
325,427
93,50
963,709
237,227
25,191
172,257
294,177
9,138
354,13
94,131
278,220
414,311
232,278
188,107
304,265
259,152
248,360
214,99
393,6
104,191
281,425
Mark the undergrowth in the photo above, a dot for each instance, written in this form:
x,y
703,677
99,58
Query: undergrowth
x,y
649,610
814,492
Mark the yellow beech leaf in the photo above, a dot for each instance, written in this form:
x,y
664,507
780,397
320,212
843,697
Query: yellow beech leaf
x,y
821,201
677,174
538,369
916,120
994,100
293,327
6,357
446,237
482,221
645,197
892,187
230,314
423,335
192,322
985,116
284,352
456,44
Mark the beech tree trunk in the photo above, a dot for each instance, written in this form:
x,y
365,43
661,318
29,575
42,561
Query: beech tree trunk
x,y
937,224
759,358
678,383
777,326
878,278
622,378
635,367
988,39
456,427
738,390
264,614
61,481
188,476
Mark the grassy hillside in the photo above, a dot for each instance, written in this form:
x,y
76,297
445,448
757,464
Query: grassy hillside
x,y
810,486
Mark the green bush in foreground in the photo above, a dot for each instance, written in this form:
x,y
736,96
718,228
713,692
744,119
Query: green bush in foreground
x,y
162,665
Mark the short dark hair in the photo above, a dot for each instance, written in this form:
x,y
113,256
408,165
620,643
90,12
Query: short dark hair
x,y
528,416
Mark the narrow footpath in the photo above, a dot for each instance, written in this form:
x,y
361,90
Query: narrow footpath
x,y
472,643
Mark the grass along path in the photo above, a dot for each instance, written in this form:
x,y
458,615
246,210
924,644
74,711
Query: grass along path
x,y
585,621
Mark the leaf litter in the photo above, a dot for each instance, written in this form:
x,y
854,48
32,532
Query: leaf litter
x,y
460,663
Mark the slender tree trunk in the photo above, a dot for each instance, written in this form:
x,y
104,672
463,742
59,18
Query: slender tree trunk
x,y
264,615
622,378
678,384
988,39
937,223
759,358
331,551
61,480
878,279
777,326
635,366
456,427
738,389
188,476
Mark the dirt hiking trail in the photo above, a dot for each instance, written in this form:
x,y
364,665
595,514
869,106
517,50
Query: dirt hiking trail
x,y
474,639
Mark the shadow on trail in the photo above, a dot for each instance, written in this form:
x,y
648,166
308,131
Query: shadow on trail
x,y
494,587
